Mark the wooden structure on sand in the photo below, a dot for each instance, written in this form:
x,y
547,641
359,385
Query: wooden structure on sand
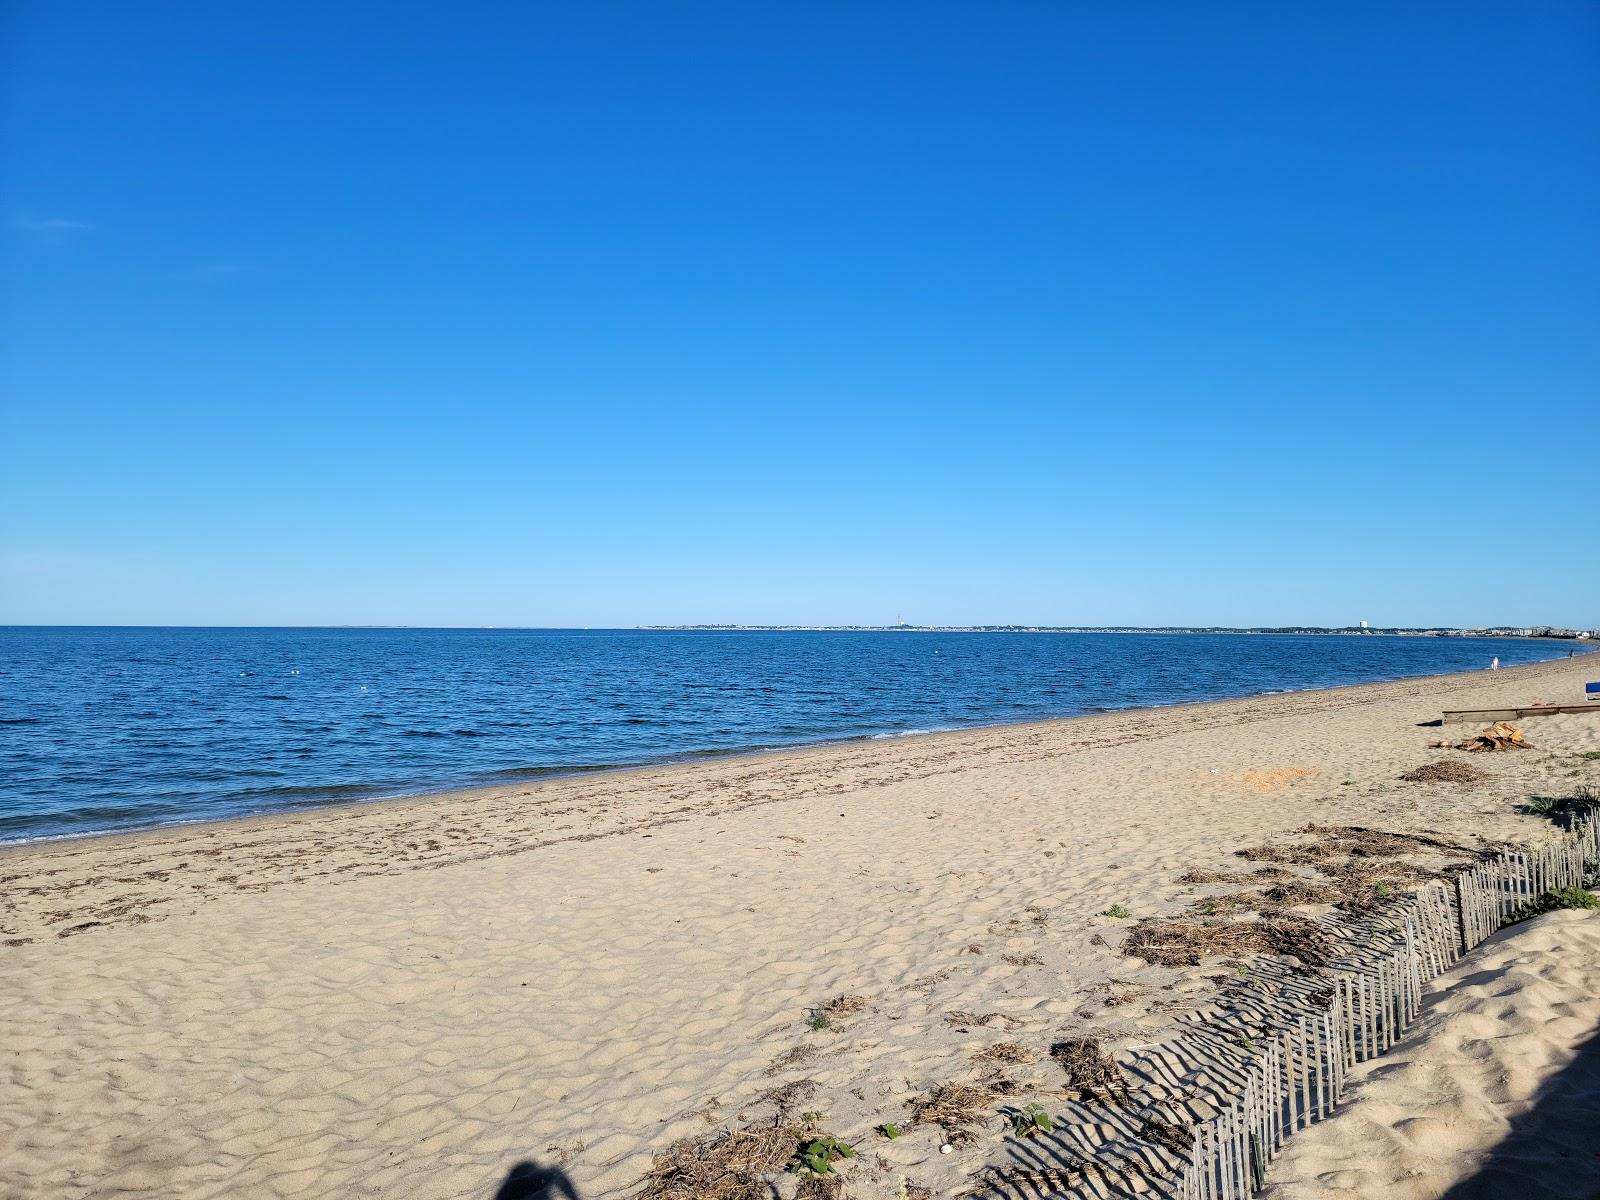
x,y
1295,1075
1474,716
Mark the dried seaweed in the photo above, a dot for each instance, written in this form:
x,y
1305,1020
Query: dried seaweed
x,y
1006,1052
1184,943
735,1165
1177,1138
1090,1069
961,1019
843,1006
1299,891
1444,772
1216,906
1338,842
955,1108
793,1057
788,1096
1260,875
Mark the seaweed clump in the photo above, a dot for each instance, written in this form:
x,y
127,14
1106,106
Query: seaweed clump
x,y
1444,772
1183,943
1090,1069
1174,1137
736,1165
956,1108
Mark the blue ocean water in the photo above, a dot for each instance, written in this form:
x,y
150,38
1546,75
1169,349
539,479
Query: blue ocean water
x,y
104,729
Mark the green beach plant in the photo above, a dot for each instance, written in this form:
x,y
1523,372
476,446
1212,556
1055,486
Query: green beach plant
x,y
1118,911
1029,1120
1555,899
816,1156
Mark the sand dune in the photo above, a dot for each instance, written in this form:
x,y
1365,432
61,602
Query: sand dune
x,y
1494,1092
407,999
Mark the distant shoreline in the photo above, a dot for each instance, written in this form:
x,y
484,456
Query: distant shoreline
x,y
1537,631
1506,631
535,777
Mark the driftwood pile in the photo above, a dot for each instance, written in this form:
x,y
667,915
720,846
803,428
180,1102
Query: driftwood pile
x,y
1498,736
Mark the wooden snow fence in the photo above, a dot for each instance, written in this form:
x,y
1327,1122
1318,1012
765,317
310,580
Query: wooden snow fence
x,y
1295,1074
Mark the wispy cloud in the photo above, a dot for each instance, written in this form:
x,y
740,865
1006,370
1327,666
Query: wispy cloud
x,y
221,269
52,229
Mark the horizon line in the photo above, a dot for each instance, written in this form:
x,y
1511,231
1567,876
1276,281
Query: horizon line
x,y
804,627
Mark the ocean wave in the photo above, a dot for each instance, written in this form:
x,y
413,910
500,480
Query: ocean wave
x,y
161,742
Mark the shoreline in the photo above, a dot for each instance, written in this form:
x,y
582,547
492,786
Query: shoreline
x,y
535,776
413,996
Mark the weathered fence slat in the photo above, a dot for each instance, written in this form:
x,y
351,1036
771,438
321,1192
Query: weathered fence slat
x,y
1298,1076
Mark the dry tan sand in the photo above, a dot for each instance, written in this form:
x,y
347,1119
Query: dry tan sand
x,y
1494,1092
407,999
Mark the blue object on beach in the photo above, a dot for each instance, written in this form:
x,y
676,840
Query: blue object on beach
x,y
1592,690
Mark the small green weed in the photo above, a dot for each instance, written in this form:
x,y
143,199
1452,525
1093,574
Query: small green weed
x,y
889,1130
1381,889
1029,1120
1583,801
1118,911
817,1155
1557,898
818,1021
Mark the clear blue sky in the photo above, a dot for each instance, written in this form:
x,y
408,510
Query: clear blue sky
x,y
602,313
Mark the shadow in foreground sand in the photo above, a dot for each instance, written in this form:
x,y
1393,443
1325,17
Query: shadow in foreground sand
x,y
530,1181
1552,1151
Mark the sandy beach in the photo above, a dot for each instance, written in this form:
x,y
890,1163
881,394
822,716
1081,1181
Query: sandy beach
x,y
1492,1093
409,998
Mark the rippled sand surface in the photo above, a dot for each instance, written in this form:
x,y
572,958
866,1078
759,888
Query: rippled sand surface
x,y
1494,1092
407,999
